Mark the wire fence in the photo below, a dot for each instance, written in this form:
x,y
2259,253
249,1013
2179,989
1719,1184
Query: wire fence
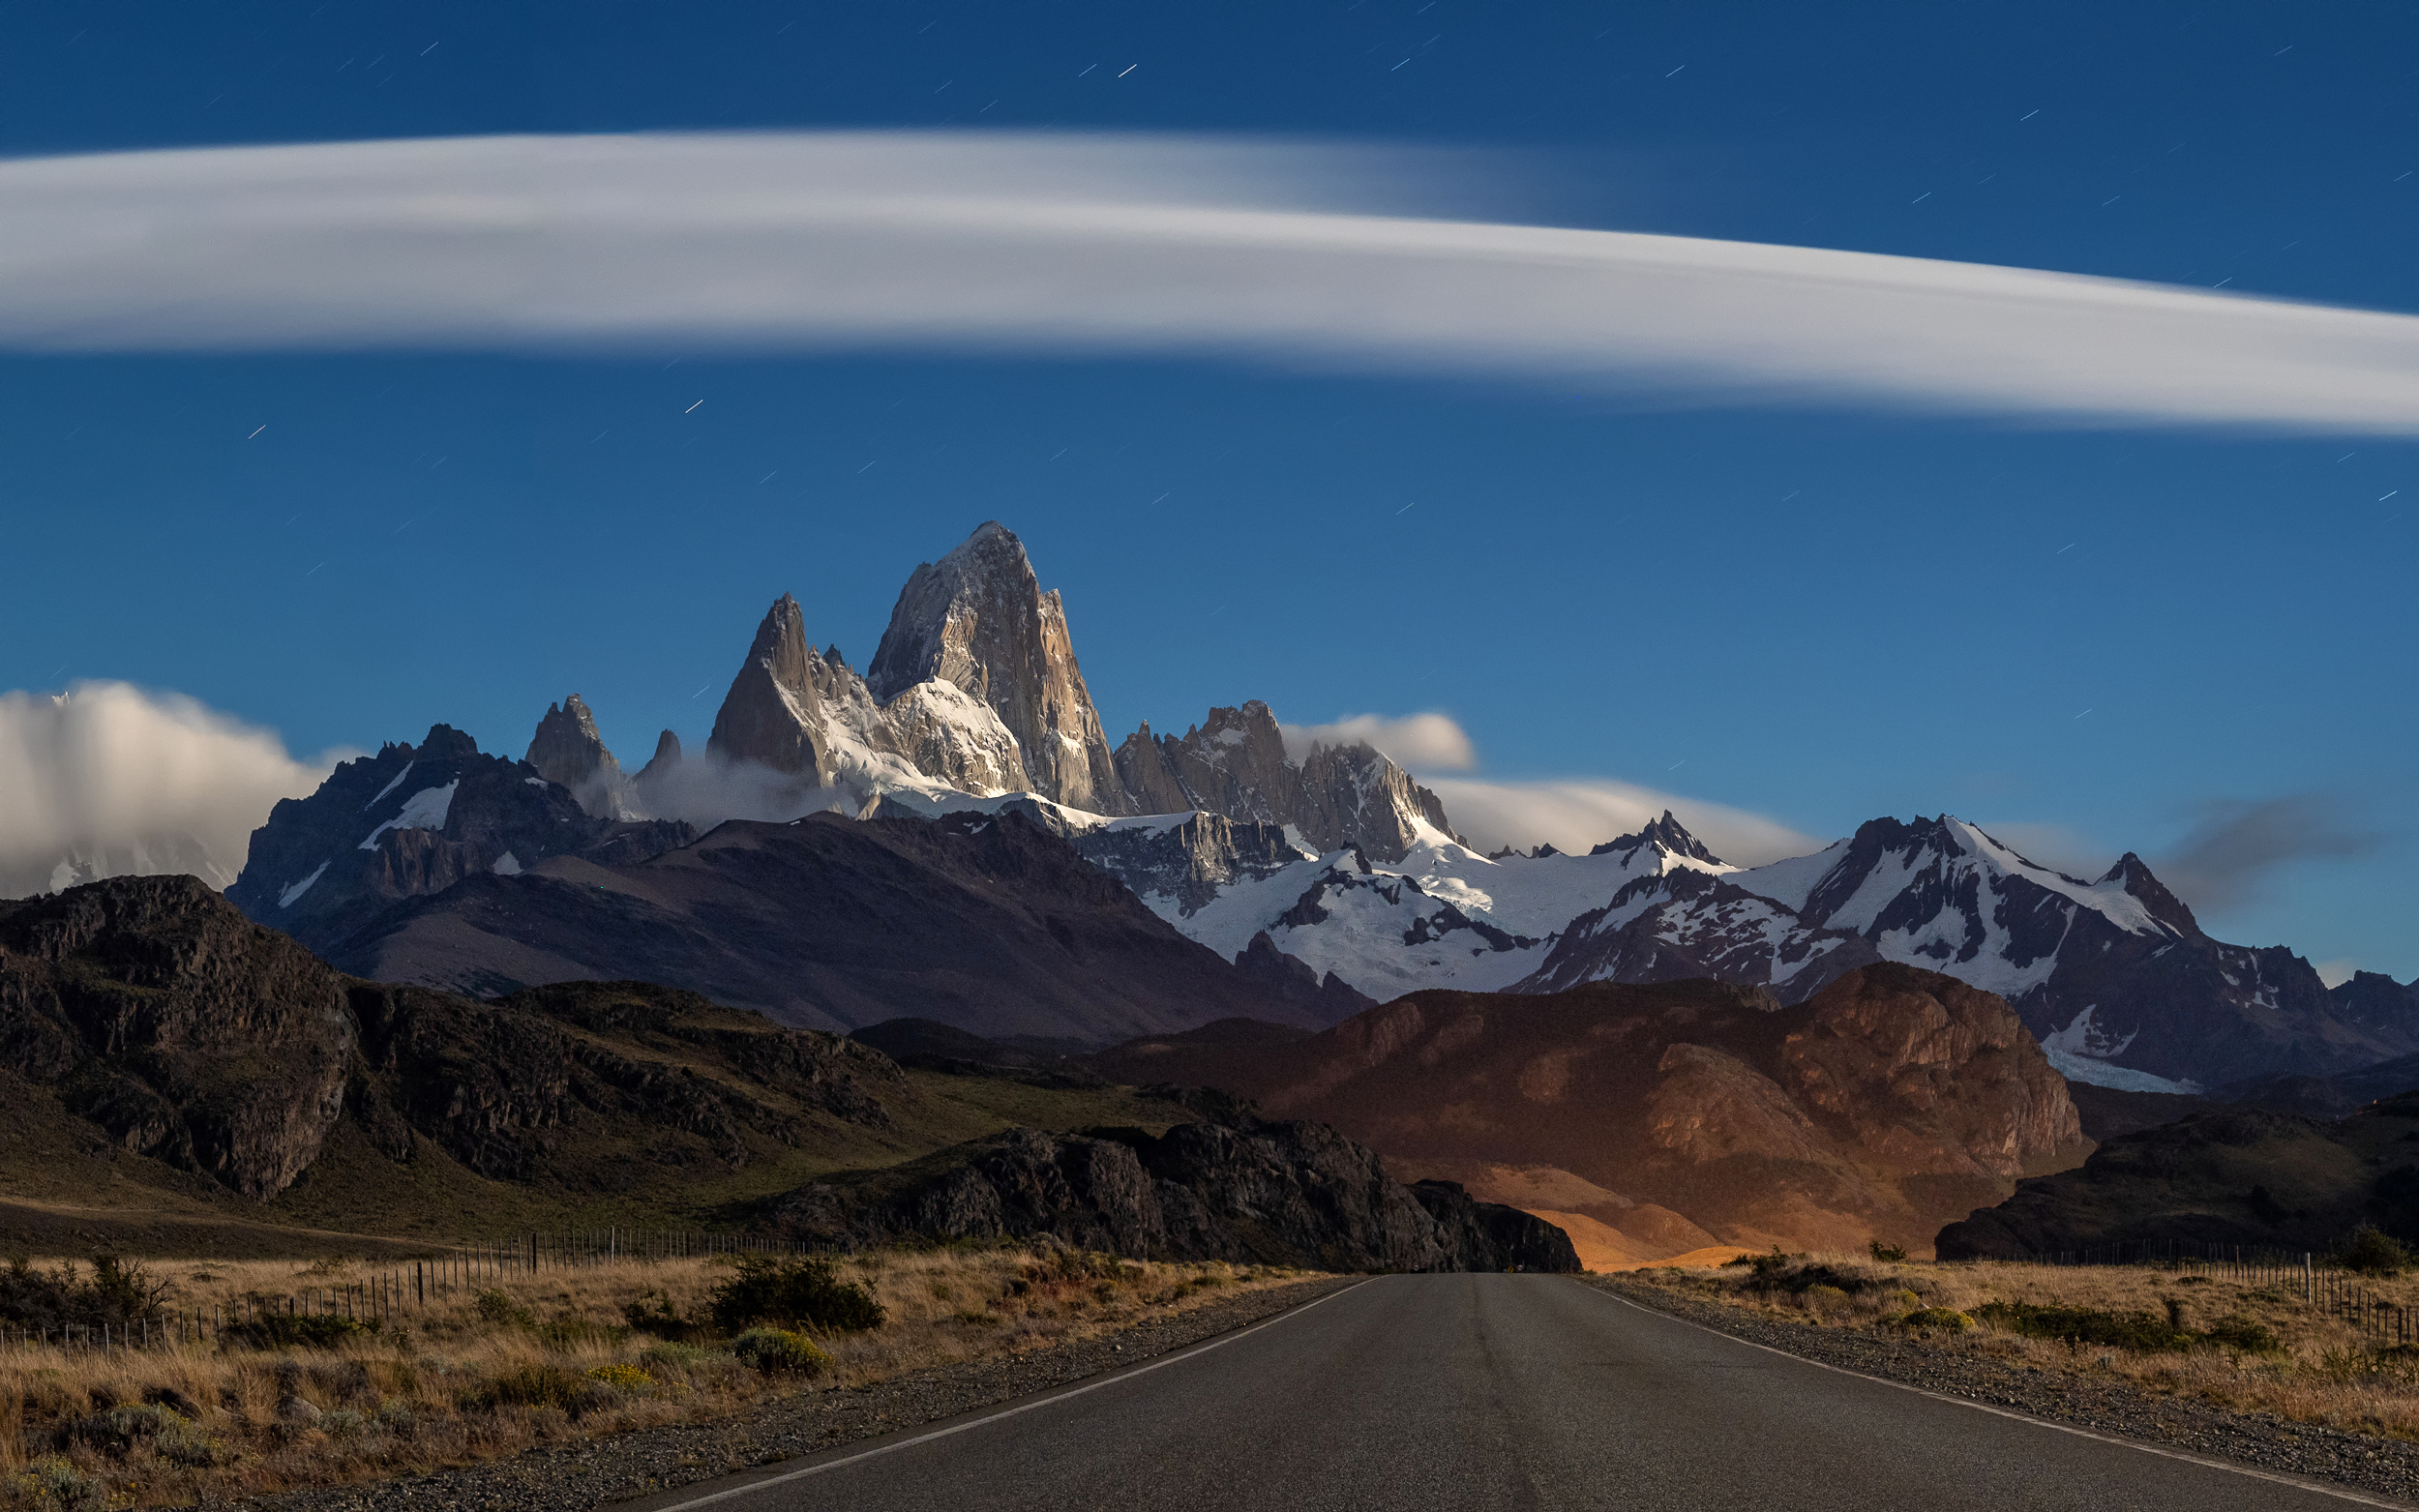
x,y
2304,1275
377,1299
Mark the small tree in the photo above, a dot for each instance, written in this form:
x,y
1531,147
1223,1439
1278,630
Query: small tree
x,y
2372,1252
1887,1254
787,1292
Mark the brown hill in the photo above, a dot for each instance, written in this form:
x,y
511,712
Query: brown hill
x,y
1677,1115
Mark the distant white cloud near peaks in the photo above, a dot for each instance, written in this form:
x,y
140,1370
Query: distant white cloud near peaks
x,y
1572,815
1426,742
1006,241
106,770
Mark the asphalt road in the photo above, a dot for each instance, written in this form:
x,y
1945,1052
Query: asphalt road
x,y
1491,1391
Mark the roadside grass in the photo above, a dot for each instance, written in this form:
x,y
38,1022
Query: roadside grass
x,y
522,1362
2170,1332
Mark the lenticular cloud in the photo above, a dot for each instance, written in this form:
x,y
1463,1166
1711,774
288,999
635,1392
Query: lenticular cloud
x,y
1008,243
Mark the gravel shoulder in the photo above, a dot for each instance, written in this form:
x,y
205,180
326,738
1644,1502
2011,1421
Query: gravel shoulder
x,y
604,1470
2387,1467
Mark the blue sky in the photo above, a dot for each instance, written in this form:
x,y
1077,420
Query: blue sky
x,y
1821,612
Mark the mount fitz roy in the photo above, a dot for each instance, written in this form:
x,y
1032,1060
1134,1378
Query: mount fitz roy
x,y
1303,883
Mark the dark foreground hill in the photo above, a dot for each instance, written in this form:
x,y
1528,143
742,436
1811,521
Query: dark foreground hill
x,y
1656,1119
166,1054
993,925
2234,1176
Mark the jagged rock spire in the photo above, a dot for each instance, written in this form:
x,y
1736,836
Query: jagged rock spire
x,y
977,619
772,715
567,749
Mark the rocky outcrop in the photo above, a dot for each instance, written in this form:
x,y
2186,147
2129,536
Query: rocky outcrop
x,y
184,1031
1493,1237
1889,1101
979,621
177,1025
1237,1188
2231,1177
1236,763
1187,863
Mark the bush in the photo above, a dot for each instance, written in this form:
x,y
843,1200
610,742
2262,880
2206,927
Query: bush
x,y
791,1292
1948,1318
2370,1252
1824,1299
498,1308
780,1349
1887,1254
115,1292
543,1386
2242,1333
675,1354
306,1330
654,1314
629,1377
2089,1325
56,1484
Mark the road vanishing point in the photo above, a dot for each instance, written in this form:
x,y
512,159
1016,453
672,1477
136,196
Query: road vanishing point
x,y
1491,1391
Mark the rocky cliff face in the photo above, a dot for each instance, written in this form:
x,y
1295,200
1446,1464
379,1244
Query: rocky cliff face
x,y
1889,1101
191,1034
979,621
1234,762
1235,1188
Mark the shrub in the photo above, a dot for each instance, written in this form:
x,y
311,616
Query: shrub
x,y
654,1314
498,1308
1819,1299
531,1385
2372,1252
115,1292
2242,1333
290,1331
677,1355
56,1484
1887,1254
629,1377
2088,1326
780,1349
789,1292
1948,1318
339,1422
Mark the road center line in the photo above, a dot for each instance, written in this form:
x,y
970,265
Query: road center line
x,y
752,1487
2028,1420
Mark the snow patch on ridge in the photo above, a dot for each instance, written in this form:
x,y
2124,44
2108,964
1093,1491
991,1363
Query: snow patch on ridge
x,y
423,810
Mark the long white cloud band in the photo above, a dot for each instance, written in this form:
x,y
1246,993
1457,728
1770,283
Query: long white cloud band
x,y
1105,245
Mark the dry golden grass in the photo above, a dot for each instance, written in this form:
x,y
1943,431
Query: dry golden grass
x,y
420,1395
2325,1372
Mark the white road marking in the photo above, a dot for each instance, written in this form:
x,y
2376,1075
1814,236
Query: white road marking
x,y
2294,1481
1163,1363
